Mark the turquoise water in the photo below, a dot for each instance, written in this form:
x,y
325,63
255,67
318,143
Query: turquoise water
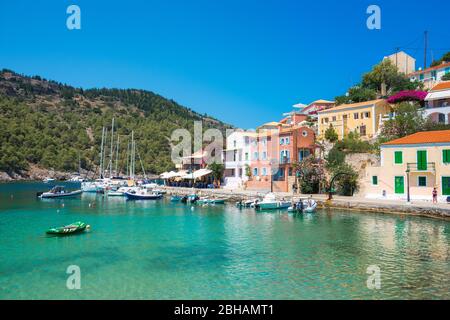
x,y
162,250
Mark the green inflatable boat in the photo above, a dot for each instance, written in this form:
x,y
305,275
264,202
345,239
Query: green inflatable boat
x,y
75,227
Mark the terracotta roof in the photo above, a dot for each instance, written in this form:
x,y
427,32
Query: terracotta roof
x,y
422,137
441,86
439,66
321,101
353,105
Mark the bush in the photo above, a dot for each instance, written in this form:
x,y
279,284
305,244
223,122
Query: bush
x,y
331,134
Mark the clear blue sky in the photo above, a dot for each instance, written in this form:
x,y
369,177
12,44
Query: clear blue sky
x,y
244,62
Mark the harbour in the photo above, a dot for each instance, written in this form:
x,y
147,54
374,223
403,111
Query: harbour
x,y
163,250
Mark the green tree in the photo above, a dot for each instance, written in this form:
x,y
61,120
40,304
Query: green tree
x,y
357,94
346,182
446,77
217,171
331,134
311,174
408,120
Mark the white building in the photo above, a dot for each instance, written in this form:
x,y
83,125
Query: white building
x,y
438,103
431,76
237,156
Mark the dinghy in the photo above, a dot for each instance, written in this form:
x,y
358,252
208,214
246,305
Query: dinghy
x,y
304,206
75,227
58,192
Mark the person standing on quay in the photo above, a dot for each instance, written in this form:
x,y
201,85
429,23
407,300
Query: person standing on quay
x,y
434,195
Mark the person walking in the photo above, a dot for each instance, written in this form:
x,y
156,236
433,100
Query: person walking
x,y
435,195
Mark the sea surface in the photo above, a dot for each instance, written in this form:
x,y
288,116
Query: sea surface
x,y
164,250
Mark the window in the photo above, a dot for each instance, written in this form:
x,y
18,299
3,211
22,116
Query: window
x,y
422,181
264,155
398,157
305,133
234,143
282,141
375,180
264,171
441,118
246,156
264,141
334,118
446,156
356,115
326,120
255,171
344,117
433,74
287,141
362,131
367,115
303,153
255,156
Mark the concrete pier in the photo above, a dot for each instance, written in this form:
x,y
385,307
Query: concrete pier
x,y
417,208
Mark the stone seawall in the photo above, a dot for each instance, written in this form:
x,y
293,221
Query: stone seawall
x,y
349,203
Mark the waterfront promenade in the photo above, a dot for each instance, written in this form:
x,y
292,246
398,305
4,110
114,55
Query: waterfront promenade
x,y
421,208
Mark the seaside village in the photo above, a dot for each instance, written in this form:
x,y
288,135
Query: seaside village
x,y
292,154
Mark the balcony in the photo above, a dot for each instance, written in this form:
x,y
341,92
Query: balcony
x,y
285,160
414,167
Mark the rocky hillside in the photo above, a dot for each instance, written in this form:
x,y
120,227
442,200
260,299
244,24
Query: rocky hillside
x,y
48,125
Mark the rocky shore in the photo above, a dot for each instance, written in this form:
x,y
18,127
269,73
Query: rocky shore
x,y
35,173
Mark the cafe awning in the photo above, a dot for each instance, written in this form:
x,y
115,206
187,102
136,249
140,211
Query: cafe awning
x,y
197,174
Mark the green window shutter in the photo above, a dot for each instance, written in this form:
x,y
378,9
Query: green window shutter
x,y
446,156
446,186
375,180
398,155
421,160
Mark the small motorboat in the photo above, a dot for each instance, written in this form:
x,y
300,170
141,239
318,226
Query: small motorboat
x,y
72,228
176,198
246,203
142,194
193,198
304,206
270,202
58,192
48,180
210,201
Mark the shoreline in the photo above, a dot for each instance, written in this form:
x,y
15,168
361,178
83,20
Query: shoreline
x,y
422,209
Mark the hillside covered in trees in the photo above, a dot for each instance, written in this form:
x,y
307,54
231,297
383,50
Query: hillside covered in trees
x,y
53,125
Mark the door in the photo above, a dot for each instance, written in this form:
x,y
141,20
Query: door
x,y
421,160
446,186
399,185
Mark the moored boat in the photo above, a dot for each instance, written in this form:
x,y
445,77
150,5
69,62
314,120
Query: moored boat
x,y
58,192
270,202
48,180
143,194
72,228
304,206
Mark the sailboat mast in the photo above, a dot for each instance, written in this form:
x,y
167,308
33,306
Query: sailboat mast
x,y
128,159
105,168
117,154
101,153
111,152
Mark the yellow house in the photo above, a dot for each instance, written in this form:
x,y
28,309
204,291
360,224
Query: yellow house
x,y
412,167
364,117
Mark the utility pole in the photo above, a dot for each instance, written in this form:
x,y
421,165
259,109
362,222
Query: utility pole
x,y
425,50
